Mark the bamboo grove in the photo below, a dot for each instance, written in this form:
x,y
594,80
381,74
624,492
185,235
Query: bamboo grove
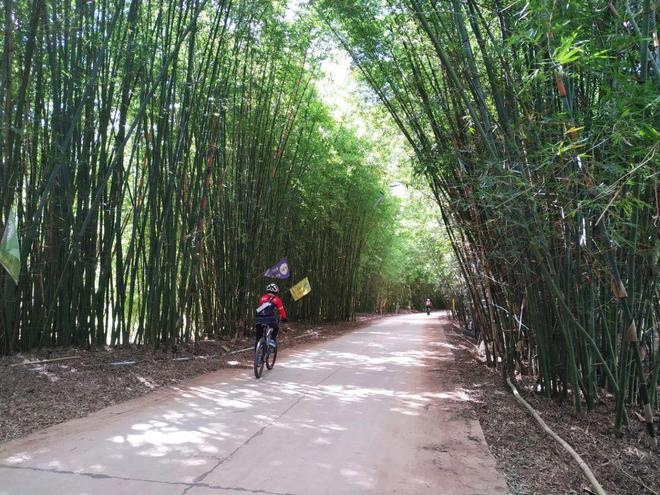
x,y
161,155
536,125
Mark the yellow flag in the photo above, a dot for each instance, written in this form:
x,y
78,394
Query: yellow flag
x,y
301,289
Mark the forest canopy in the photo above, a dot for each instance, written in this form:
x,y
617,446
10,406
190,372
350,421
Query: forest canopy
x,y
536,125
160,156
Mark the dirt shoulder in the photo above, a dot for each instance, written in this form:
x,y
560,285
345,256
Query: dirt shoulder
x,y
36,396
532,462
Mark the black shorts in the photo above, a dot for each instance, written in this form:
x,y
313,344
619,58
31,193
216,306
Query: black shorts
x,y
260,329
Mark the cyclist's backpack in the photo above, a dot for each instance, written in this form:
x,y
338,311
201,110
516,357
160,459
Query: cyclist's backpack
x,y
266,310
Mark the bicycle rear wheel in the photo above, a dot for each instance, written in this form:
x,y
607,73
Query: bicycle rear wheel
x,y
271,357
259,357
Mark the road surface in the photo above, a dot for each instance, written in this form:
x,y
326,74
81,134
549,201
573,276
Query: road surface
x,y
378,411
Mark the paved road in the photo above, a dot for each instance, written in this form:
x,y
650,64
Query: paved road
x,y
377,411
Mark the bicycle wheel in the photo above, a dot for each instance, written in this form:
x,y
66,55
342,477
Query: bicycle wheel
x,y
259,357
271,357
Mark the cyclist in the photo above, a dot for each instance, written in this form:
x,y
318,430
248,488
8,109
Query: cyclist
x,y
427,304
269,304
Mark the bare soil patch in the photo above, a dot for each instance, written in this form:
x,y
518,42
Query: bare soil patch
x,y
35,396
532,462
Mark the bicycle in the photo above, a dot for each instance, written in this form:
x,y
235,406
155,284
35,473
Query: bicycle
x,y
265,353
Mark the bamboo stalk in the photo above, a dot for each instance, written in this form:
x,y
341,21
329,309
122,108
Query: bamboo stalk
x,y
67,358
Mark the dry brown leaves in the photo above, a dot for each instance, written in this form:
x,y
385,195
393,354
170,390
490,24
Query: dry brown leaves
x,y
532,462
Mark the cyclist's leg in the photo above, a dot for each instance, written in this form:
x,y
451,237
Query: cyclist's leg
x,y
258,334
276,329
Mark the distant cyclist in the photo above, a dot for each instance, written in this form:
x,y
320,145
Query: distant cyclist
x,y
270,306
427,304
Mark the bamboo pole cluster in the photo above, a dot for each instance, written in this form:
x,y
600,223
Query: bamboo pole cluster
x,y
536,126
161,156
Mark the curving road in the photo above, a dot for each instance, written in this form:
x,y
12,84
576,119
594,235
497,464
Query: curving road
x,y
377,411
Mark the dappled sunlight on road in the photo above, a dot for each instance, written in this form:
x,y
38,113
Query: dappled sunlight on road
x,y
192,436
18,458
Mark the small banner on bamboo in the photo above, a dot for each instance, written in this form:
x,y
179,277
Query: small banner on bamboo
x,y
278,270
10,251
301,289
